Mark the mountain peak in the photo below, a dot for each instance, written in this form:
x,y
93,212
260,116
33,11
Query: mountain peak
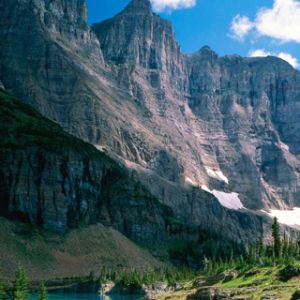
x,y
138,6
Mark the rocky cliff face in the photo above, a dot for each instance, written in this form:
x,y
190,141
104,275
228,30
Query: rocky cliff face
x,y
143,39
205,134
247,105
235,118
51,179
39,54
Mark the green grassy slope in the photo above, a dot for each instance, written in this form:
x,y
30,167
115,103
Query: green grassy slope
x,y
253,283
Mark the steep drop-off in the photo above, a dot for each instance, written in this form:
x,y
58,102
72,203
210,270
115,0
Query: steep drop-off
x,y
51,179
59,183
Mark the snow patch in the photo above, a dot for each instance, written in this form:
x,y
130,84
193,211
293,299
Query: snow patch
x,y
284,146
287,217
190,181
101,148
228,200
218,174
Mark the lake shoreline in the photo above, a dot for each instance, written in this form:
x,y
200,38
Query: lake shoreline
x,y
109,290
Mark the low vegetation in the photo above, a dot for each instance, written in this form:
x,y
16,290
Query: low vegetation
x,y
261,271
21,288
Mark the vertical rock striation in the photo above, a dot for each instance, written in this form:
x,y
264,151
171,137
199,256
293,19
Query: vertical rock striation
x,y
186,126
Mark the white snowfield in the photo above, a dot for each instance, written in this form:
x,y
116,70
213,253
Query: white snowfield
x,y
190,181
287,217
228,200
217,174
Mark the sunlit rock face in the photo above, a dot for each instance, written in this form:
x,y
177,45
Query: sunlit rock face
x,y
177,122
247,104
138,36
234,118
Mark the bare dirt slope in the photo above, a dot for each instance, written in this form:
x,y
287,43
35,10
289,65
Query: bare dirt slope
x,y
46,255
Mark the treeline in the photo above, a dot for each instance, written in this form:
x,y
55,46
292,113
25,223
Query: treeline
x,y
282,251
21,288
135,278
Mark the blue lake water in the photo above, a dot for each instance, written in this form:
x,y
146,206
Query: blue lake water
x,y
81,296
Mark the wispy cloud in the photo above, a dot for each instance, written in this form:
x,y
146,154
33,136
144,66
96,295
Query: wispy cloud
x,y
169,5
283,55
280,22
240,27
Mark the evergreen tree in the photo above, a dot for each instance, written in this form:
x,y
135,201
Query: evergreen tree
x,y
285,246
43,295
103,275
276,239
92,277
3,291
261,247
21,286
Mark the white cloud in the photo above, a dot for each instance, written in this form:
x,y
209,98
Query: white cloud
x,y
289,58
259,53
168,5
283,55
280,22
240,27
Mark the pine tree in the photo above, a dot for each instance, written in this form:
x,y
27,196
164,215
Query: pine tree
x,y
43,295
92,277
285,246
3,291
21,285
261,247
276,239
103,275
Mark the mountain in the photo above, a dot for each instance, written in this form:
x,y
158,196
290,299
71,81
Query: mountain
x,y
48,256
204,141
54,180
59,183
235,118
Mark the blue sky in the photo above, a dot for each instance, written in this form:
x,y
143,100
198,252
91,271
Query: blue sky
x,y
245,27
